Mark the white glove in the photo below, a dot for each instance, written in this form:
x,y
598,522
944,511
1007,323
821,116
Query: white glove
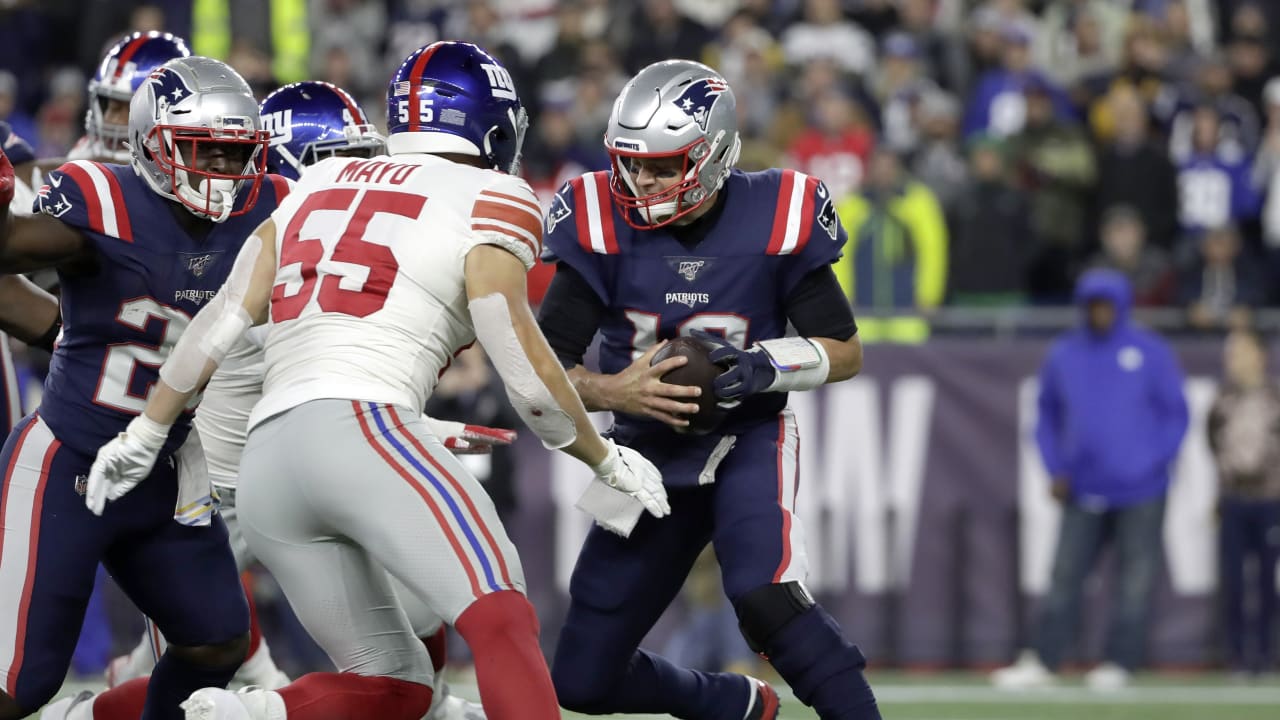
x,y
124,462
462,439
630,472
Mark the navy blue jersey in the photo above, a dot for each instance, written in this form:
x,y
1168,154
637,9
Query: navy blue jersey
x,y
120,322
775,227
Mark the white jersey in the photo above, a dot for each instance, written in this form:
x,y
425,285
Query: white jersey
x,y
369,301
222,420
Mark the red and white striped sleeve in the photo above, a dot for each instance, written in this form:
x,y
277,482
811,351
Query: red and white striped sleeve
x,y
507,214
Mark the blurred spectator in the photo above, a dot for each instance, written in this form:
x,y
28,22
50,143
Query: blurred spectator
x,y
561,60
1213,188
1111,420
1244,434
1079,38
659,32
823,32
60,120
991,232
748,57
998,106
941,53
556,153
1237,131
1266,179
1125,250
896,257
836,145
255,67
1184,40
479,22
1142,69
938,161
353,29
22,124
1055,167
898,87
1134,171
1221,284
1252,64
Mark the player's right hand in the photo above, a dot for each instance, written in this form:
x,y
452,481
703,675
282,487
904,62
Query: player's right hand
x,y
633,474
639,390
124,462
7,182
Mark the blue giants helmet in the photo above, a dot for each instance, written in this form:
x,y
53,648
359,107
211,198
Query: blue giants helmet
x,y
126,65
310,121
453,97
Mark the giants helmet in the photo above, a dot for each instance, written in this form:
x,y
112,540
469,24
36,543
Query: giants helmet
x,y
188,106
453,97
673,108
126,65
310,121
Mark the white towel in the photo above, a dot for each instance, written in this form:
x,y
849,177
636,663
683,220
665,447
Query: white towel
x,y
195,491
612,509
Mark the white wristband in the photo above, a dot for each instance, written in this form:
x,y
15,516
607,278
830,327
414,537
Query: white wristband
x,y
148,432
802,364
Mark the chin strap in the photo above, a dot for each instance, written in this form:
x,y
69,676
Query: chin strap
x,y
216,194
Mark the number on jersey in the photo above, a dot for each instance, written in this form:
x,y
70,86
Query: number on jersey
x,y
120,365
352,251
732,327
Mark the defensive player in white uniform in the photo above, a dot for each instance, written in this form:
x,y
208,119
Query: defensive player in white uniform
x,y
373,274
309,121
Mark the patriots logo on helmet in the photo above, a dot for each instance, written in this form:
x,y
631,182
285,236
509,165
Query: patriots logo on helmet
x,y
168,86
699,97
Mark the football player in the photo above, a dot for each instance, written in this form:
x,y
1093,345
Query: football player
x,y
308,121
137,251
674,241
373,275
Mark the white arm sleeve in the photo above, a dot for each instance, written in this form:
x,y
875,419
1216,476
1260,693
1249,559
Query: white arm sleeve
x,y
216,328
529,395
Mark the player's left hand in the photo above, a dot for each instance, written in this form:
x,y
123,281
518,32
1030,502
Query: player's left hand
x,y
747,371
124,462
462,439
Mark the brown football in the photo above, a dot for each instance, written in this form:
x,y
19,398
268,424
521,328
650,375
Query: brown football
x,y
700,372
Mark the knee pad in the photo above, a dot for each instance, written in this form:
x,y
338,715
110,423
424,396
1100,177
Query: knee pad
x,y
764,611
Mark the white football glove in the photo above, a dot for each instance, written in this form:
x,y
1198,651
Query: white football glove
x,y
633,474
462,439
124,462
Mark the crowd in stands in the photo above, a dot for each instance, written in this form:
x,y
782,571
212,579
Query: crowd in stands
x,y
981,152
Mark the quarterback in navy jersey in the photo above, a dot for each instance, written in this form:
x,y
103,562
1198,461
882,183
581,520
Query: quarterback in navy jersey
x,y
674,241
138,251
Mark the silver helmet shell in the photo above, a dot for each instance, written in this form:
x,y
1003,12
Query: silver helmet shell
x,y
672,109
189,106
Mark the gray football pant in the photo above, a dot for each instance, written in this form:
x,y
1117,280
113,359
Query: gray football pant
x,y
337,497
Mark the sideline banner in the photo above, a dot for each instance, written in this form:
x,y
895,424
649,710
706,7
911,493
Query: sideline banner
x,y
929,526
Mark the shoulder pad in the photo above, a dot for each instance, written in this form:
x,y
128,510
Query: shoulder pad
x,y
88,195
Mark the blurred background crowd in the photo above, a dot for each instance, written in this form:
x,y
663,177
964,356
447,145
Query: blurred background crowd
x,y
984,152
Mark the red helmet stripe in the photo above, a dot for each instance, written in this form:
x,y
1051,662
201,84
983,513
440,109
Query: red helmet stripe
x,y
415,80
126,53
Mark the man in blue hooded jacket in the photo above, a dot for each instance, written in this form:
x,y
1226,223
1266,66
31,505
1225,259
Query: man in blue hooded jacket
x,y
1111,419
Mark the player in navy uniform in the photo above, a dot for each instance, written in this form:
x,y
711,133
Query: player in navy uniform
x,y
138,251
674,241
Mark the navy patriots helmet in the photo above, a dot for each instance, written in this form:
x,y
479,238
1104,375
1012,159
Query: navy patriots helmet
x,y
119,75
453,97
312,120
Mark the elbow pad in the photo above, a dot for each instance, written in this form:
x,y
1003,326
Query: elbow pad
x,y
528,394
216,328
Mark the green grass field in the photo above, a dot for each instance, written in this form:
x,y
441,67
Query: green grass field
x,y
955,696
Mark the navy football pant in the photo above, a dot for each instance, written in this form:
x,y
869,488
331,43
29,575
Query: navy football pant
x,y
621,586
182,577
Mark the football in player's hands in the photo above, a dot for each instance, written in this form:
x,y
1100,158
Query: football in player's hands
x,y
699,372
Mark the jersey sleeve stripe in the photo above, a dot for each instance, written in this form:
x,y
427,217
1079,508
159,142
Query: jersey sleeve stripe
x,y
794,207
579,185
605,201
93,190
107,199
806,212
124,229
486,210
508,230
525,203
778,234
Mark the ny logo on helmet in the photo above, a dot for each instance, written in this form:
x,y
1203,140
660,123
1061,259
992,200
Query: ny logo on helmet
x,y
697,100
500,82
280,125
